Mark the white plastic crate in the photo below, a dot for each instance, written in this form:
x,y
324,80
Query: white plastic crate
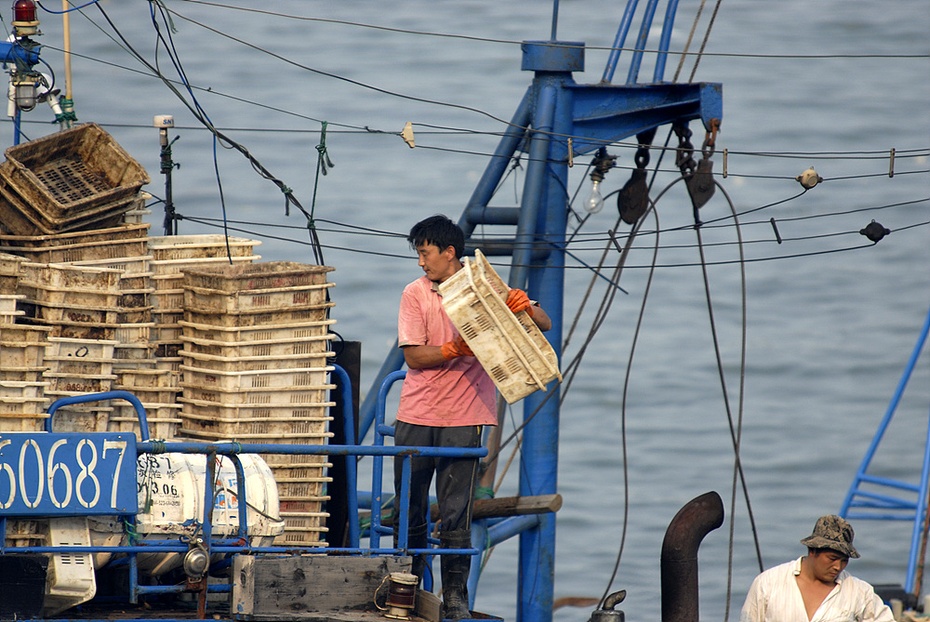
x,y
169,282
200,246
308,315
317,412
8,303
161,423
205,300
79,366
257,380
137,281
139,332
169,363
296,396
163,267
71,297
103,331
276,461
130,263
512,349
81,417
76,384
255,363
315,473
267,275
300,538
90,254
208,334
152,395
11,388
62,276
27,354
133,353
24,333
23,414
168,300
73,314
80,348
137,299
21,374
297,432
132,315
289,346
110,234
131,379
10,318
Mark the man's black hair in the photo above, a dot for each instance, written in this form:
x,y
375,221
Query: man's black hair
x,y
439,231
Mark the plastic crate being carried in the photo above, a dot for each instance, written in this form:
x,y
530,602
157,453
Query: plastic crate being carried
x,y
73,171
509,346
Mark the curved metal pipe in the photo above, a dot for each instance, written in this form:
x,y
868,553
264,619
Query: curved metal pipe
x,y
679,565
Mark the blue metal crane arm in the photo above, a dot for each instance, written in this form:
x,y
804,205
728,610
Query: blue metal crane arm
x,y
603,114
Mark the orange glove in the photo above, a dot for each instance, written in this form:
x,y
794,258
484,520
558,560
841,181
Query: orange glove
x,y
456,347
517,301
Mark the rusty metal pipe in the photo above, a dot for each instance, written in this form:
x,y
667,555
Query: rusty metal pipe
x,y
679,565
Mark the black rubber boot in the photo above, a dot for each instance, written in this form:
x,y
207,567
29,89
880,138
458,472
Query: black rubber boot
x,y
455,570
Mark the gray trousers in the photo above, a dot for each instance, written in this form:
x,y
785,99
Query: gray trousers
x,y
455,477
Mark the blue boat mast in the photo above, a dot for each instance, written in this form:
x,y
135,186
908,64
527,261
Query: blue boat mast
x,y
556,122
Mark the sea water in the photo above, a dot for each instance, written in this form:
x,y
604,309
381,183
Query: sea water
x,y
830,319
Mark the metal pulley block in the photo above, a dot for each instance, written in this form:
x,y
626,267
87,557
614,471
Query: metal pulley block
x,y
633,198
700,183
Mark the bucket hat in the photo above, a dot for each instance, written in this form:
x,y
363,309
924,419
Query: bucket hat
x,y
834,533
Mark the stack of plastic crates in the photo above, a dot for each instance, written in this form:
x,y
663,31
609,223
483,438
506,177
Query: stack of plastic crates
x,y
23,403
171,256
79,306
120,248
72,180
256,342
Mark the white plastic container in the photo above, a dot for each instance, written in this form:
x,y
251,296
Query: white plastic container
x,y
172,492
509,346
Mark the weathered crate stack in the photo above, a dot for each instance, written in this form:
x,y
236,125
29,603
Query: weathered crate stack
x,y
215,346
256,341
22,352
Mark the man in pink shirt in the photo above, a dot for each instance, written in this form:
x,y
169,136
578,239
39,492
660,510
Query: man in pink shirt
x,y
445,400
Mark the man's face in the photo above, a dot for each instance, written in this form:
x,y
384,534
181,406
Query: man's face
x,y
438,264
827,564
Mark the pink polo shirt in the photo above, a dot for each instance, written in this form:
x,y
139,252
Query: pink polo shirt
x,y
457,393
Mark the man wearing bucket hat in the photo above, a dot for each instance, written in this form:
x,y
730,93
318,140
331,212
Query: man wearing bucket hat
x,y
816,587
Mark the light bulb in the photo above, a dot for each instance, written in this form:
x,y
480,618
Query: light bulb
x,y
25,95
595,202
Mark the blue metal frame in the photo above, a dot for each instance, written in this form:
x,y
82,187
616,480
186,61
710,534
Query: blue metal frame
x,y
866,503
239,543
